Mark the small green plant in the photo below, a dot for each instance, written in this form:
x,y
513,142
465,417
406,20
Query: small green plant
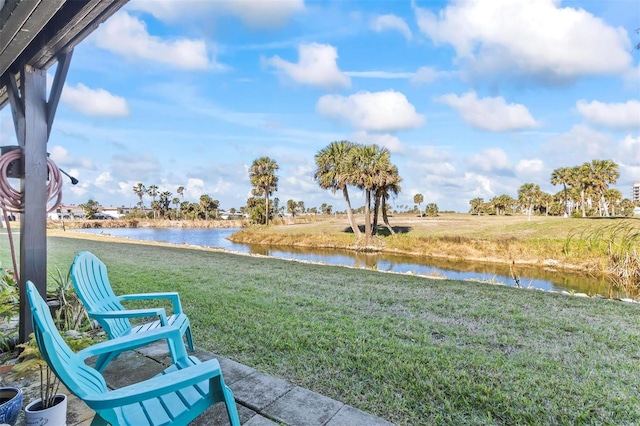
x,y
70,313
9,307
31,361
8,295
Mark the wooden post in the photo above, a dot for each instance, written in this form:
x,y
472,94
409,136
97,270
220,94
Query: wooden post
x,y
33,231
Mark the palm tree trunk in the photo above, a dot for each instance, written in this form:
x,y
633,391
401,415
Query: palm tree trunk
x,y
566,213
605,207
266,203
352,221
367,216
376,209
584,213
385,218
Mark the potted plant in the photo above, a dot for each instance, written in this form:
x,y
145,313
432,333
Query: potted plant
x,y
51,405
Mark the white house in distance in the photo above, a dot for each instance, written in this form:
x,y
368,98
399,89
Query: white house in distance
x,y
76,212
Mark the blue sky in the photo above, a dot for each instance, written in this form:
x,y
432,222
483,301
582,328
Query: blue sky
x,y
472,98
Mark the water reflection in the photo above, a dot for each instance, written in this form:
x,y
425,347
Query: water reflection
x,y
542,278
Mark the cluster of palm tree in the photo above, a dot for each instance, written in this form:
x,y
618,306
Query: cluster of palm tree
x,y
585,187
206,208
262,175
367,167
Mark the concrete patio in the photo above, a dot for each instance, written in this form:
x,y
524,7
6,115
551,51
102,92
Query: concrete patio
x,y
262,400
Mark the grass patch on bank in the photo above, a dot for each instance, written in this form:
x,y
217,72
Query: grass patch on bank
x,y
569,243
408,349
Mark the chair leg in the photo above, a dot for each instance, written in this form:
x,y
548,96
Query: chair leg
x,y
220,392
105,359
189,338
230,402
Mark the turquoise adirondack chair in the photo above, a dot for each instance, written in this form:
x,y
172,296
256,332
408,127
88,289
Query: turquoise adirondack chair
x,y
175,397
90,279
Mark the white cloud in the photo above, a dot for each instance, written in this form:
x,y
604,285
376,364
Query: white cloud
x,y
615,115
104,180
532,170
580,144
253,13
391,22
534,165
126,35
94,102
392,143
485,185
492,114
61,157
316,66
378,111
490,159
630,149
537,38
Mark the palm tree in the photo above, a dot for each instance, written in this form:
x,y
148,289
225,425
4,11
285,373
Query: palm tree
x,y
333,173
180,191
613,197
176,203
152,191
292,207
367,163
528,194
205,203
165,202
579,178
546,199
418,199
562,176
476,205
140,190
603,172
389,184
262,174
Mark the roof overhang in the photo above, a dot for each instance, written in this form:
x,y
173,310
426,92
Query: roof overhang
x,y
35,32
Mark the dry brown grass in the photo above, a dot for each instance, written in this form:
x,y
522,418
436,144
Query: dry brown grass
x,y
503,239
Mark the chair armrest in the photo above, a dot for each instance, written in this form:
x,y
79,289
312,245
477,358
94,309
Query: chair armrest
x,y
137,340
155,386
171,295
132,313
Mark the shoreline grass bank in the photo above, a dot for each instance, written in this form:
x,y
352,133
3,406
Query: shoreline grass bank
x,y
570,244
409,349
573,244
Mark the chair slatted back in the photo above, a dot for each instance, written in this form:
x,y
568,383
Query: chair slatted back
x,y
89,276
78,377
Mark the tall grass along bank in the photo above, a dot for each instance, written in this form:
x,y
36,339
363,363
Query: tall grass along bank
x,y
412,350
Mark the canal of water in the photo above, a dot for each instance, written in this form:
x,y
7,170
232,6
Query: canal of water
x,y
536,277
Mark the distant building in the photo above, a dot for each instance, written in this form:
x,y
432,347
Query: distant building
x,y
635,192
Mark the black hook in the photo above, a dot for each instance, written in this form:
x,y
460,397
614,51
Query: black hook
x,y
73,180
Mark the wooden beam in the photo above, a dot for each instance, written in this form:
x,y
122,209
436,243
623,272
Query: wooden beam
x,y
56,88
28,29
33,231
17,107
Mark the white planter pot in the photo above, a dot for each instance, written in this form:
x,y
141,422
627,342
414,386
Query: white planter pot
x,y
52,416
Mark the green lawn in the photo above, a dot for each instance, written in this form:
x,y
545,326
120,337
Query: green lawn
x,y
408,349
